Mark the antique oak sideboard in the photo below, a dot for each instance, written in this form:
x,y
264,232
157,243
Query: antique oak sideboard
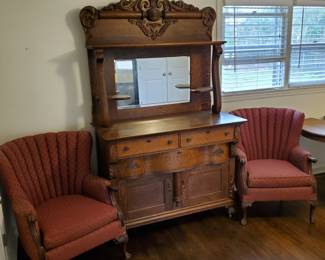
x,y
167,150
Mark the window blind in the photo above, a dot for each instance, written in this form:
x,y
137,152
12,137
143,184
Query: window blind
x,y
254,55
307,46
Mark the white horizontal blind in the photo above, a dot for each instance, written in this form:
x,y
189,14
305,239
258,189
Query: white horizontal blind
x,y
259,2
254,55
308,46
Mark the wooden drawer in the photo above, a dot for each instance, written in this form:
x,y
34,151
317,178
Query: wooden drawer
x,y
172,161
147,145
206,136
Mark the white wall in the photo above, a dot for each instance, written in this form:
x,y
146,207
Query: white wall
x,y
44,71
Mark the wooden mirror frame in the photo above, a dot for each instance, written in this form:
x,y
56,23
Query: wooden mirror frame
x,y
150,28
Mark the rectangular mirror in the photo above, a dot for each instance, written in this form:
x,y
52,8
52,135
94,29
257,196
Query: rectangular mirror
x,y
152,81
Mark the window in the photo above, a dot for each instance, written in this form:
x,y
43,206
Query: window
x,y
308,46
272,47
256,47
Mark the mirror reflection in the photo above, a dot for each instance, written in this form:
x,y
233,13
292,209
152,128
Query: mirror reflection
x,y
152,81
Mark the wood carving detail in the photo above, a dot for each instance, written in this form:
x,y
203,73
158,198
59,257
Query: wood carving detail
x,y
152,29
153,21
209,16
88,17
151,6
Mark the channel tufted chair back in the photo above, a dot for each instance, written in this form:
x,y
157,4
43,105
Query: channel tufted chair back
x,y
61,209
46,166
271,165
269,133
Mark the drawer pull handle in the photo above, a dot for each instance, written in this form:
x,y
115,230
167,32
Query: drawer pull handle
x,y
226,133
188,140
169,142
125,149
133,165
207,132
148,141
219,151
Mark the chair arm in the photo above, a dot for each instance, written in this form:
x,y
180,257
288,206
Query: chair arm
x,y
302,159
241,155
23,208
29,231
241,170
97,188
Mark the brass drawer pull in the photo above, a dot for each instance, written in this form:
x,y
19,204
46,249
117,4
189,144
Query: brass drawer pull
x,y
169,142
226,133
133,165
125,149
207,132
148,141
219,151
188,140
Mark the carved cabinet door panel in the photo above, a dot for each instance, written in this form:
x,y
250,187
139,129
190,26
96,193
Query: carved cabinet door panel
x,y
206,184
146,196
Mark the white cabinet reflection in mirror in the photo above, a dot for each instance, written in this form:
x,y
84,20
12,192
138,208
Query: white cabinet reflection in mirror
x,y
152,81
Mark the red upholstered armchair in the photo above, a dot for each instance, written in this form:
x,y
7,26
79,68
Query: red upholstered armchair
x,y
271,166
61,209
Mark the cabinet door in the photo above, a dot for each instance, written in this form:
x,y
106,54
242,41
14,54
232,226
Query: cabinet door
x,y
206,184
178,73
146,196
152,81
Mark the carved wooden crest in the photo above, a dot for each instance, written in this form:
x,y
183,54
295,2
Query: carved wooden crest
x,y
153,17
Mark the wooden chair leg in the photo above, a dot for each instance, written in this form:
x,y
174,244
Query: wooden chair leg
x,y
312,212
244,207
231,211
244,217
123,240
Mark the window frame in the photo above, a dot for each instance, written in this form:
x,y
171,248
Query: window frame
x,y
287,89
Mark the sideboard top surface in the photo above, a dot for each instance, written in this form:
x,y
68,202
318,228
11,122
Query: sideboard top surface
x,y
168,124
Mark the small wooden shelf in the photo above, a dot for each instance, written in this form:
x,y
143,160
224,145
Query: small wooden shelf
x,y
194,90
200,90
155,45
119,97
183,86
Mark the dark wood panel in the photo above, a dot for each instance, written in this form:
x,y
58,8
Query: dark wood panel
x,y
154,126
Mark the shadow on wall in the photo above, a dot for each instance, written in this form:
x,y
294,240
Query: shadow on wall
x,y
70,66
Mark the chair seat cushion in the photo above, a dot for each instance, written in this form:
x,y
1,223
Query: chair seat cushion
x,y
276,174
67,218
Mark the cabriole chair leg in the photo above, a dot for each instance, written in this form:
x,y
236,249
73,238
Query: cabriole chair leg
x,y
123,240
312,209
244,217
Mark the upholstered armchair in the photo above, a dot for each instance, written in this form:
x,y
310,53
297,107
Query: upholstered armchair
x,y
271,166
61,210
